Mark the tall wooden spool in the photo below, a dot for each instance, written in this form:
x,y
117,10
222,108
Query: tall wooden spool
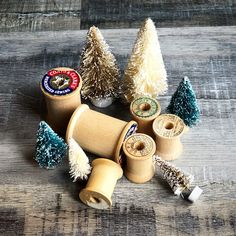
x,y
61,89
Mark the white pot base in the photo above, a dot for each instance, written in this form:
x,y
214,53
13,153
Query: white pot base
x,y
101,102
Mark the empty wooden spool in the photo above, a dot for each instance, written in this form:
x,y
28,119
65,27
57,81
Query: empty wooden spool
x,y
139,150
101,183
61,88
144,110
98,133
168,129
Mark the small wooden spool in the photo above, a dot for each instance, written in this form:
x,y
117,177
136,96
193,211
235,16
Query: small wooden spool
x,y
98,133
139,150
144,110
61,88
168,129
101,184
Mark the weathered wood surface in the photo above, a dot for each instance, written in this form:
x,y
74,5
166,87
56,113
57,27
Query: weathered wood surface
x,y
33,15
35,201
171,13
41,15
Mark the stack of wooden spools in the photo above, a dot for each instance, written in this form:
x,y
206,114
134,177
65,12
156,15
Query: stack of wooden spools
x,y
115,141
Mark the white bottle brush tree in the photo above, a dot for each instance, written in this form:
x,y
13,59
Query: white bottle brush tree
x,y
145,74
99,70
79,162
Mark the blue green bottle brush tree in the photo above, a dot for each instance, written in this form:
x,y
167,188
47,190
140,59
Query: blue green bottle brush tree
x,y
184,103
50,148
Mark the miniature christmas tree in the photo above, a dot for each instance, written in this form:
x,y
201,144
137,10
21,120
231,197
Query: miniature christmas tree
x,y
79,162
145,74
176,178
98,68
50,148
179,182
184,103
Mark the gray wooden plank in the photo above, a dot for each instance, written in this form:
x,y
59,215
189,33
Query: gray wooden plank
x,y
37,201
42,15
18,22
39,15
149,211
171,13
35,6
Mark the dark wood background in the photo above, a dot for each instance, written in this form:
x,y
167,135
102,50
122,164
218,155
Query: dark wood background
x,y
34,15
35,201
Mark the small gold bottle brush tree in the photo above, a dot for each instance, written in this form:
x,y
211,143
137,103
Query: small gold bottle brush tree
x,y
179,181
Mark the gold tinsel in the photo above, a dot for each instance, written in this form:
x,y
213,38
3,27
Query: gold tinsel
x,y
98,67
145,74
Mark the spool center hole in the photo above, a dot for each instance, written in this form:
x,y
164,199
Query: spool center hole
x,y
145,107
139,145
94,200
169,125
61,82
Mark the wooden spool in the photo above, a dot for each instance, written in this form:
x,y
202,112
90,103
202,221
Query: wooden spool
x,y
168,129
98,133
144,110
139,150
61,88
101,183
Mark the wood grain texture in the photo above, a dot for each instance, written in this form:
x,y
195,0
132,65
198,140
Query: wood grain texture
x,y
39,21
44,15
170,13
41,15
35,201
35,6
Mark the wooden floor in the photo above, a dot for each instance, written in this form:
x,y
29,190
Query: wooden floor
x,y
37,201
34,15
39,35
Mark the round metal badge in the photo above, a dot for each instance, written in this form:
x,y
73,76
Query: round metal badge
x,y
60,82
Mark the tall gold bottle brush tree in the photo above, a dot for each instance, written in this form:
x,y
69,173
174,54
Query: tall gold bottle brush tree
x,y
99,70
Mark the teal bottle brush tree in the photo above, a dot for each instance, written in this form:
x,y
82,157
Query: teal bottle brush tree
x,y
184,103
50,148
